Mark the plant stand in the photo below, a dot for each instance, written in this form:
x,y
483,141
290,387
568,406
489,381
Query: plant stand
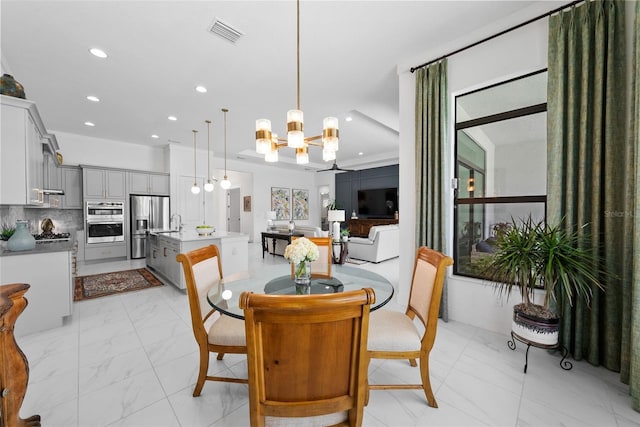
x,y
564,364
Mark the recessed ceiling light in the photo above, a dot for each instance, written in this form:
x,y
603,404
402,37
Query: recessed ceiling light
x,y
89,124
201,89
172,118
360,153
93,98
98,52
154,136
349,118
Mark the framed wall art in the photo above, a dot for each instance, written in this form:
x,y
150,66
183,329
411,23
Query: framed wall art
x,y
281,202
300,204
247,203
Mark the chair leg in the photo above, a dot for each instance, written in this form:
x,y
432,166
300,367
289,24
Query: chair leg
x,y
220,356
413,363
426,383
202,374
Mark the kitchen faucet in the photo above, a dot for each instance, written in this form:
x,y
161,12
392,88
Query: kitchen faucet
x,y
179,220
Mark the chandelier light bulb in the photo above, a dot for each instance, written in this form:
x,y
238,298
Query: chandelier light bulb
x,y
302,156
225,183
195,189
295,128
263,136
328,155
208,187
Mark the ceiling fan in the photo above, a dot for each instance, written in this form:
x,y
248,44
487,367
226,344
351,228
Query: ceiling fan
x,y
335,167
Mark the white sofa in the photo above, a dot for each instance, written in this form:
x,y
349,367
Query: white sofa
x,y
382,243
308,230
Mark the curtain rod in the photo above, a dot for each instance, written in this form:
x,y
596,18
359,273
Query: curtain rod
x,y
544,15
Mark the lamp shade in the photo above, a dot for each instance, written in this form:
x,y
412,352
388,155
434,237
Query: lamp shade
x,y
271,214
335,215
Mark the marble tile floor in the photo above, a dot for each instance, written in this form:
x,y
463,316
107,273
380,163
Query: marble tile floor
x,y
131,360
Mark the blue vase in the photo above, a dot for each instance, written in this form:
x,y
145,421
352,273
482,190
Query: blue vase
x,y
22,240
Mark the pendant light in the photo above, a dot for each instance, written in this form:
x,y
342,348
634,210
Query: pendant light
x,y
208,187
225,183
195,189
267,143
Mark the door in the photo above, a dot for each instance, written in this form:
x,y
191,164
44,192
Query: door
x,y
233,210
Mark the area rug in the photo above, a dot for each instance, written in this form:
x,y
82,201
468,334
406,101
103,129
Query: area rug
x,y
100,285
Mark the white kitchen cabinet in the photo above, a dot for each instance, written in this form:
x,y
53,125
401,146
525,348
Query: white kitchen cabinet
x,y
156,184
72,186
233,248
51,293
100,183
21,156
102,251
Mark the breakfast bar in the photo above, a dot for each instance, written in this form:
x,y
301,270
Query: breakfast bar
x,y
165,246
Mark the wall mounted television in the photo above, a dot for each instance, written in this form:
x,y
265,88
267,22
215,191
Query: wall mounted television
x,y
378,202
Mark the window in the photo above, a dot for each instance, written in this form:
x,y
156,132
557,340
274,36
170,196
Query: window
x,y
500,149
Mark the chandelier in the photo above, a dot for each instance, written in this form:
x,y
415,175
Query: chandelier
x,y
268,143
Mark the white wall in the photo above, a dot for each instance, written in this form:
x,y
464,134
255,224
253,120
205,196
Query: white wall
x,y
516,53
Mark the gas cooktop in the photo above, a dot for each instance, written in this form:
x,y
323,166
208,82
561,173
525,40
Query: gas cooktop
x,y
52,237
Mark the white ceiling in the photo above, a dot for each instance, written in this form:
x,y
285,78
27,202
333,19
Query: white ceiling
x,y
160,50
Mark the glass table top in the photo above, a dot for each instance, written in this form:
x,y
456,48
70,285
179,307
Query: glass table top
x,y
276,279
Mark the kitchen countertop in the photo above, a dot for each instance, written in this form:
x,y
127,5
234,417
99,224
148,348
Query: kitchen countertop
x,y
41,248
191,235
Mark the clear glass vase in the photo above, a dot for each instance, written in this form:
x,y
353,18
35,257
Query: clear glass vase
x,y
302,273
22,240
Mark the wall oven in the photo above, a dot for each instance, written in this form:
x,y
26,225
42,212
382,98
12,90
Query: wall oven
x,y
105,222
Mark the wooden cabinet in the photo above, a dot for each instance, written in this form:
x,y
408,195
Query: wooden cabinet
x,y
148,183
360,227
71,177
21,156
101,183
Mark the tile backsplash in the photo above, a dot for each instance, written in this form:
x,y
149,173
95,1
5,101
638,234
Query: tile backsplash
x,y
64,220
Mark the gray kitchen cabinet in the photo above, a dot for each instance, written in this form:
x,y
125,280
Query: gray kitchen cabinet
x,y
52,179
148,183
21,159
102,251
100,183
72,186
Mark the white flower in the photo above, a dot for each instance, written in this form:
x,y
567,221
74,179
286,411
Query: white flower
x,y
301,249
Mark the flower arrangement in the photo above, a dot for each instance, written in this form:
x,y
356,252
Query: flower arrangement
x,y
300,250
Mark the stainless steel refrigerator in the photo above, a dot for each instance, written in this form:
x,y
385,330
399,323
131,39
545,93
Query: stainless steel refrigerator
x,y
147,213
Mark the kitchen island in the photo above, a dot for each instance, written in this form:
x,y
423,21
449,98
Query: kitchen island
x,y
165,246
48,270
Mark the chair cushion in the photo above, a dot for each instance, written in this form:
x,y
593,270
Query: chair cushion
x,y
227,330
392,331
361,241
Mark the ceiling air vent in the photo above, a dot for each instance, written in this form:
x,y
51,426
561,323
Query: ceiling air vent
x,y
225,30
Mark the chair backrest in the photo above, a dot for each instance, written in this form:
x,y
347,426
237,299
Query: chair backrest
x,y
202,270
426,288
322,266
307,354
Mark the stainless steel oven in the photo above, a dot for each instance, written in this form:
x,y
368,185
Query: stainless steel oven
x,y
105,222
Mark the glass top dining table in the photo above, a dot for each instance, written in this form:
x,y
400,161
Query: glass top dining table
x,y
277,280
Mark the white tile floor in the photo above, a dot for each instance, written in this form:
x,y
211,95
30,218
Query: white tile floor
x,y
131,360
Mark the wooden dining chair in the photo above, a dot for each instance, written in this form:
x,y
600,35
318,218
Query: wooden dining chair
x,y
307,357
394,335
322,266
214,333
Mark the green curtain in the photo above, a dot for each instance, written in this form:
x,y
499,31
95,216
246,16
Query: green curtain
x,y
431,132
591,172
631,375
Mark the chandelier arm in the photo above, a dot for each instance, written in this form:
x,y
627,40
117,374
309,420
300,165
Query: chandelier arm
x,y
298,49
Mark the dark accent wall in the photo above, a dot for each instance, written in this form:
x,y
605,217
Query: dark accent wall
x,y
348,184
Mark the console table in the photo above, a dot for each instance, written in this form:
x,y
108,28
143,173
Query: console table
x,y
276,236
360,227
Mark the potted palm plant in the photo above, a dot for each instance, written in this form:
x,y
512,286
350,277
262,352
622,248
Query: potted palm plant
x,y
533,255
